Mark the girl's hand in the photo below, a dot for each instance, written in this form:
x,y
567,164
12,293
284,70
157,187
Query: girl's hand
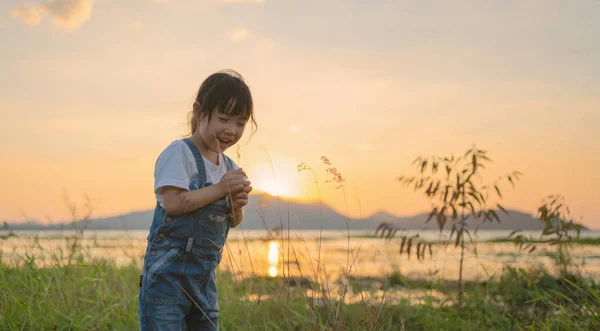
x,y
233,182
240,199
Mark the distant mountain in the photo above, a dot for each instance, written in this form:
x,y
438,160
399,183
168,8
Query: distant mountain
x,y
267,211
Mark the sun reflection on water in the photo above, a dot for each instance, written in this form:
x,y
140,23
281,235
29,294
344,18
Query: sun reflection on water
x,y
273,258
272,271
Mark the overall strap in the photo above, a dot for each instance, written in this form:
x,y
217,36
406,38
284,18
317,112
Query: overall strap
x,y
228,162
199,161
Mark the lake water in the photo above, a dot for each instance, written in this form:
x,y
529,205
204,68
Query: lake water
x,y
254,253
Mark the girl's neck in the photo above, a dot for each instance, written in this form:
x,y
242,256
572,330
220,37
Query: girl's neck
x,y
203,148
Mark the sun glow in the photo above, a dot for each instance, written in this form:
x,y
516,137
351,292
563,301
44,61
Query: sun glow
x,y
273,253
273,188
272,271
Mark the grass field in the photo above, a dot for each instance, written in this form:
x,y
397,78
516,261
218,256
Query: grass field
x,y
78,293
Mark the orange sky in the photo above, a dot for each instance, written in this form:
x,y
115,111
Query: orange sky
x,y
91,93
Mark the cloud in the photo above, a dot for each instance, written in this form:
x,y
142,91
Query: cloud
x,y
239,34
137,25
31,15
69,14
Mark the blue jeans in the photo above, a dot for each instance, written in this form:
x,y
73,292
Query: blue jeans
x,y
178,290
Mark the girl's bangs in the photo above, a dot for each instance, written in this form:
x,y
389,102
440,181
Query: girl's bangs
x,y
238,105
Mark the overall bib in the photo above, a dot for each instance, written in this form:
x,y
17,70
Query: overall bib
x,y
177,288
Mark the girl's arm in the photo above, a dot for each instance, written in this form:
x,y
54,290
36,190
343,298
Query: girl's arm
x,y
177,201
240,200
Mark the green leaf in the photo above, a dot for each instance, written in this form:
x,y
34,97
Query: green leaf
x,y
472,208
469,234
513,232
433,212
402,244
475,197
493,212
446,193
502,208
428,191
469,152
437,186
441,219
486,216
498,191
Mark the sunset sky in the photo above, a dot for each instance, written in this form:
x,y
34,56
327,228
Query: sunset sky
x,y
92,91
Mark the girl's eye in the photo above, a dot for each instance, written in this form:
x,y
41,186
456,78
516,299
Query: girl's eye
x,y
241,125
223,120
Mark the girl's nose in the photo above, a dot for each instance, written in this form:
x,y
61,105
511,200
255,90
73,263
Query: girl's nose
x,y
230,130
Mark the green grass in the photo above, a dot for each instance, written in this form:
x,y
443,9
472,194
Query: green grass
x,y
98,295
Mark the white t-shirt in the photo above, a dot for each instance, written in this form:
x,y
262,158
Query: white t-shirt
x,y
176,166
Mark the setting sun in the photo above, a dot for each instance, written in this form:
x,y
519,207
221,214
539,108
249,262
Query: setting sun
x,y
272,189
282,181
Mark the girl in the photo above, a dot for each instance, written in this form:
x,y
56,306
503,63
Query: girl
x,y
200,194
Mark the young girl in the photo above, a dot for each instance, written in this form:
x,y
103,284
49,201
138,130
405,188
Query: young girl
x,y
200,194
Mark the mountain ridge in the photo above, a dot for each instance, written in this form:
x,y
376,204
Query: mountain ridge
x,y
268,211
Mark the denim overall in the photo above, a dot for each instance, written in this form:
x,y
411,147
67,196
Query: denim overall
x,y
178,289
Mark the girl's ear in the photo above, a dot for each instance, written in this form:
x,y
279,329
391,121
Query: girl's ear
x,y
195,118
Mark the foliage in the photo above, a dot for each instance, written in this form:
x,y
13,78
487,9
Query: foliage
x,y
558,230
455,187
457,192
6,232
388,231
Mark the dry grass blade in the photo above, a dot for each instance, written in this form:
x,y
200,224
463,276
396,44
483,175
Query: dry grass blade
x,y
402,244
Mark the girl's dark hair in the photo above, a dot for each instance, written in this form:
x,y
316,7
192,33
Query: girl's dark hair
x,y
227,93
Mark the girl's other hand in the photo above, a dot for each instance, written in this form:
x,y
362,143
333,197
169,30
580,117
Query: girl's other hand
x,y
240,200
233,182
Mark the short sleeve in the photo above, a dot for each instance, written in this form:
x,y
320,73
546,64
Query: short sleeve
x,y
173,167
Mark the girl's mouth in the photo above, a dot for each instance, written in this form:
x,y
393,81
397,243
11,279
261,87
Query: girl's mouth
x,y
223,142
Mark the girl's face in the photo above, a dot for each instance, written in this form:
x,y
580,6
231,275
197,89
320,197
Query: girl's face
x,y
221,131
